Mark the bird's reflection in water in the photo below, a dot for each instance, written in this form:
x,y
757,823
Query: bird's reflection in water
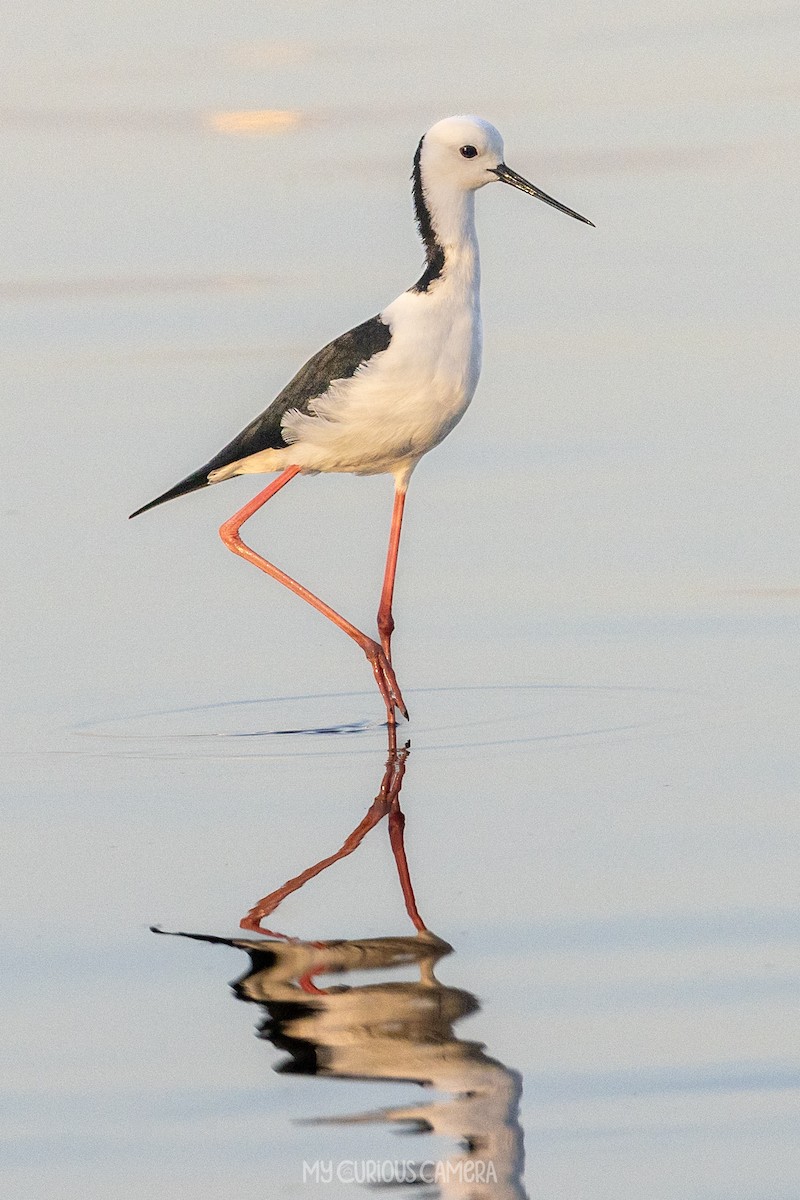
x,y
388,1030
385,804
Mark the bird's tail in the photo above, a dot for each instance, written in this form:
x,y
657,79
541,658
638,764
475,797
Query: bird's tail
x,y
198,479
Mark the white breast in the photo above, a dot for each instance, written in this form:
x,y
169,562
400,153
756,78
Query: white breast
x,y
407,399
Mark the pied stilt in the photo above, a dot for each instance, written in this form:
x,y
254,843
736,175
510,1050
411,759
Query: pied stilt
x,y
380,396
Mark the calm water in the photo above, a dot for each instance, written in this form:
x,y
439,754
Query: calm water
x,y
570,906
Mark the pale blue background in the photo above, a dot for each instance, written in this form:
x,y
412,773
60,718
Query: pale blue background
x,y
615,521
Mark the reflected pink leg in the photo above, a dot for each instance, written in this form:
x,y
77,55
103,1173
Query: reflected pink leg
x,y
268,904
397,824
387,801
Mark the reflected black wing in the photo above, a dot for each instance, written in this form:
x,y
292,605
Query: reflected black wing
x,y
340,359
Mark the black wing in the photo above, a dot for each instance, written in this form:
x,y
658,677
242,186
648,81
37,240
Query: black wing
x,y
340,359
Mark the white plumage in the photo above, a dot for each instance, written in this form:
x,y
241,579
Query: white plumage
x,y
407,398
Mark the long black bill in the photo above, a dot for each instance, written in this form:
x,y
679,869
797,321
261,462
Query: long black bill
x,y
508,176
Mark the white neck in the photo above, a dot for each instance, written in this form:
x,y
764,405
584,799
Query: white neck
x,y
452,213
453,218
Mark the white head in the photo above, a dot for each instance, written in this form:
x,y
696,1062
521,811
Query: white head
x,y
464,154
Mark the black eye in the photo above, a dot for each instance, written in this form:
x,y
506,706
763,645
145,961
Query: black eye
x,y
468,152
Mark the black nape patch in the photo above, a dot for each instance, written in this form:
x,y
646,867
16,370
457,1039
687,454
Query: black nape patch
x,y
434,253
433,269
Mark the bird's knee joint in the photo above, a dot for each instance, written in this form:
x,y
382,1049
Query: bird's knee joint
x,y
230,536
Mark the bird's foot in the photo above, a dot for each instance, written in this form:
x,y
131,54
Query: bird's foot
x,y
386,680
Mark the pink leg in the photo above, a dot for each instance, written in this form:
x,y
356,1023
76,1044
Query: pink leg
x,y
378,659
385,619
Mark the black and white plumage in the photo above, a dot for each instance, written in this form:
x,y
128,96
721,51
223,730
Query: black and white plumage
x,y
378,398
340,359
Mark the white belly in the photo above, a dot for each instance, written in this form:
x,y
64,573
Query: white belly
x,y
401,404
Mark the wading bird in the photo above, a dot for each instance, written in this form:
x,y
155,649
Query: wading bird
x,y
374,400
